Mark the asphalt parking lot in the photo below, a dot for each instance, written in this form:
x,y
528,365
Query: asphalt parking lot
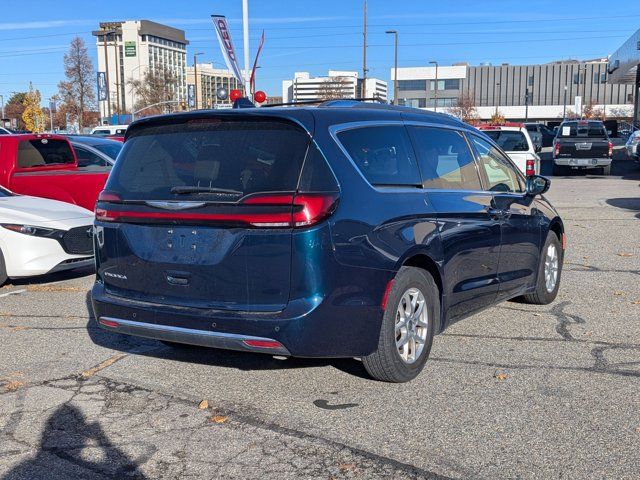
x,y
518,391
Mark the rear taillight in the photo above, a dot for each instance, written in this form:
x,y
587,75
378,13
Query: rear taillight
x,y
610,149
271,210
556,150
531,167
107,196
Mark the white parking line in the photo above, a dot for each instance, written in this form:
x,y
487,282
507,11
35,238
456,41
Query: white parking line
x,y
15,292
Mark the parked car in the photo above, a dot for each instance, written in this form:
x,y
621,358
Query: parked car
x,y
39,236
582,144
345,230
633,146
545,134
44,165
514,139
5,131
117,138
95,152
106,130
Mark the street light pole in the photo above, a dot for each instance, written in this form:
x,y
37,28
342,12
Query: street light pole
x,y
564,108
395,67
245,32
435,90
105,36
2,100
195,78
364,52
51,102
495,98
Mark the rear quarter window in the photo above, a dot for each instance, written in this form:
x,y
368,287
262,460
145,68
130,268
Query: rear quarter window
x,y
383,154
508,140
43,152
240,156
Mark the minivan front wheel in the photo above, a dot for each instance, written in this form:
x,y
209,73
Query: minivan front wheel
x,y
408,324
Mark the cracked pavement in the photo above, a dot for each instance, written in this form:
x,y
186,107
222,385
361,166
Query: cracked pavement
x,y
517,391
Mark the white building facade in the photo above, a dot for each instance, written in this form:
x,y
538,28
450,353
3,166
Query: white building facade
x,y
519,92
206,80
337,84
132,49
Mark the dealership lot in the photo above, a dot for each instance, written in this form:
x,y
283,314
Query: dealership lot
x,y
516,391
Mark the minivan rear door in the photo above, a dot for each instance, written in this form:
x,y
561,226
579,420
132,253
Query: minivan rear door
x,y
197,212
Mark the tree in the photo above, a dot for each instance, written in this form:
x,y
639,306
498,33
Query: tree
x,y
589,111
465,108
497,118
14,108
32,115
77,92
333,88
160,85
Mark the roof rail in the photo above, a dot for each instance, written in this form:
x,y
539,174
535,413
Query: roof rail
x,y
338,102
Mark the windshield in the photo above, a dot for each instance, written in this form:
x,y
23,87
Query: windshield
x,y
43,152
111,150
582,129
5,193
509,140
213,158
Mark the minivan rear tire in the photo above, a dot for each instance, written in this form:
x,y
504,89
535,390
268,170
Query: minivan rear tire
x,y
386,363
541,296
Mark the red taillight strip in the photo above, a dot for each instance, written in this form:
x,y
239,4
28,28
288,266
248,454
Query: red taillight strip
x,y
530,167
257,219
262,343
109,323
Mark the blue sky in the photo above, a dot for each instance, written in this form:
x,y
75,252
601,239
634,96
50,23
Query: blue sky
x,y
315,36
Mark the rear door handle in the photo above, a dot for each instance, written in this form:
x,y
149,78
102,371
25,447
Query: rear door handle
x,y
175,278
495,214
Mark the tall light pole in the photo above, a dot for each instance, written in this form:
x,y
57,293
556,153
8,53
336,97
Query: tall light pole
x,y
395,67
105,36
364,52
2,118
195,77
245,33
435,90
495,98
51,102
564,108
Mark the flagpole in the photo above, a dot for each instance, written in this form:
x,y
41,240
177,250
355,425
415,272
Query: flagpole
x,y
245,32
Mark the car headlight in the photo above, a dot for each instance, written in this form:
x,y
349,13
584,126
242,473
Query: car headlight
x,y
33,231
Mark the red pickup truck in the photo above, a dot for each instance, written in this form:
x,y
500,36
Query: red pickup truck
x,y
44,165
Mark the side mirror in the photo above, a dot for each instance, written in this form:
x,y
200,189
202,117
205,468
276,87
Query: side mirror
x,y
538,148
537,185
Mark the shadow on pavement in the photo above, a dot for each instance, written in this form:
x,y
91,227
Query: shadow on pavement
x,y
70,447
53,277
209,356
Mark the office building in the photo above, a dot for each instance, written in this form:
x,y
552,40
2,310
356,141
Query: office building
x,y
208,80
534,92
128,50
337,84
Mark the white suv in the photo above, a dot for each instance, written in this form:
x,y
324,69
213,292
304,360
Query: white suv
x,y
514,139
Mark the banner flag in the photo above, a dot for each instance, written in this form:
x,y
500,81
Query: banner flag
x,y
102,86
228,52
252,82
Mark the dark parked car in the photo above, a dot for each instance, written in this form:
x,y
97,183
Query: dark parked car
x,y
582,144
94,152
543,133
343,230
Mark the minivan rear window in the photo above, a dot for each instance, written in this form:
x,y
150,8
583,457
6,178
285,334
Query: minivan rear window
x,y
508,140
211,159
44,151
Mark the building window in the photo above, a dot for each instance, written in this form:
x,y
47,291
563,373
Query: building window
x,y
599,78
530,81
412,85
449,84
578,79
413,102
443,102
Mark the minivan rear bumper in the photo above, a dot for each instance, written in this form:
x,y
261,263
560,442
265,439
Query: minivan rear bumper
x,y
317,327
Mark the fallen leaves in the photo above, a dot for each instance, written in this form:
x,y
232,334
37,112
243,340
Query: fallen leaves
x,y
619,294
13,385
624,254
635,302
347,467
219,419
500,376
203,405
54,288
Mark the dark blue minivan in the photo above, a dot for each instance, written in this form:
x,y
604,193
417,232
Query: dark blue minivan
x,y
349,229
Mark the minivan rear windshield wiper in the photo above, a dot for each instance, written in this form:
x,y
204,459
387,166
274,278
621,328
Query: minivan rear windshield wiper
x,y
184,190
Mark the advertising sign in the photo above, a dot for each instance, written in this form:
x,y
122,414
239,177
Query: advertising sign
x,y
102,86
191,95
228,52
129,49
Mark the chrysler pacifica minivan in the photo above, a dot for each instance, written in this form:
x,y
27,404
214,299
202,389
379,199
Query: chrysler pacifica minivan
x,y
348,229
